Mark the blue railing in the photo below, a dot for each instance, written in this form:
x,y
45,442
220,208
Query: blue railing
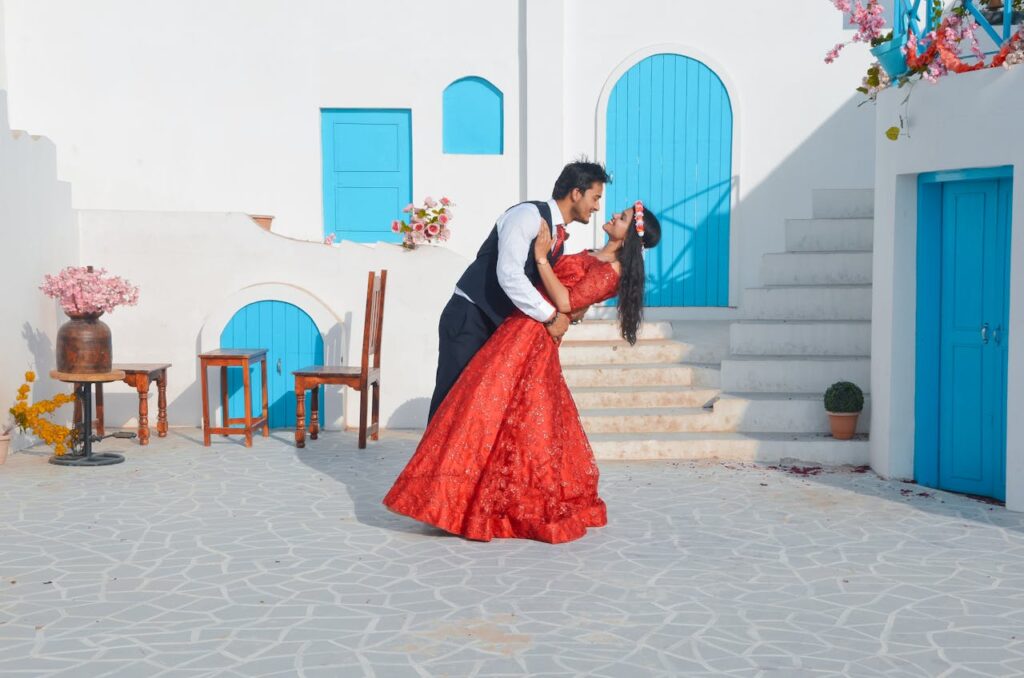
x,y
907,18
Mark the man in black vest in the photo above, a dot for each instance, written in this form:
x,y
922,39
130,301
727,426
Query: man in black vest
x,y
504,276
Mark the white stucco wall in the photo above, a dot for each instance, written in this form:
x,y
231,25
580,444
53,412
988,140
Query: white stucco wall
x,y
194,270
215,105
37,236
966,121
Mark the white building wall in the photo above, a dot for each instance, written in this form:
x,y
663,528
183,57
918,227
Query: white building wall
x,y
214,106
195,270
966,121
37,236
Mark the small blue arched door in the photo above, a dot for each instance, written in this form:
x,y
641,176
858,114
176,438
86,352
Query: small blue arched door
x,y
292,341
669,143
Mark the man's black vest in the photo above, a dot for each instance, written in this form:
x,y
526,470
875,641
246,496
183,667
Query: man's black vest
x,y
480,281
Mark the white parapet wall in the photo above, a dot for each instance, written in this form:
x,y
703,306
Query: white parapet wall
x,y
964,122
37,236
195,270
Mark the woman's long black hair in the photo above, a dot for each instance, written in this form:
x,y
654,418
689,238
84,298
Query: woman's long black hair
x,y
632,277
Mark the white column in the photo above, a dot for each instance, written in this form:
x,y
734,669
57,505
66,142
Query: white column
x,y
542,81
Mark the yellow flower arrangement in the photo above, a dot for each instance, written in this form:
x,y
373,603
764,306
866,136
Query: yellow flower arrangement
x,y
32,417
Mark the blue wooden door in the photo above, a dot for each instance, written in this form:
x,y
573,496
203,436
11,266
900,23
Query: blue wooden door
x,y
367,172
669,143
974,314
292,341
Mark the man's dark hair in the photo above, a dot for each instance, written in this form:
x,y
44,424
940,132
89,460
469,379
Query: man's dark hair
x,y
580,174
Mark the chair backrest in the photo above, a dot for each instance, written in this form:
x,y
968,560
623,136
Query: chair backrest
x,y
375,287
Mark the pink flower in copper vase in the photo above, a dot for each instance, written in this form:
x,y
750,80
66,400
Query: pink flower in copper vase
x,y
82,290
396,226
430,202
433,229
417,226
443,218
446,202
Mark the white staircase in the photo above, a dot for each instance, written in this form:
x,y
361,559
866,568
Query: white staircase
x,y
748,390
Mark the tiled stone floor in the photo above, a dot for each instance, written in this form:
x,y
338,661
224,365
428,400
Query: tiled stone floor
x,y
187,561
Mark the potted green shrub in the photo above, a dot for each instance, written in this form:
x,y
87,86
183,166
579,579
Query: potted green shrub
x,y
843,401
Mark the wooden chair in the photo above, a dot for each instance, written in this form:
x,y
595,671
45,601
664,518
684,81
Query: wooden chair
x,y
360,378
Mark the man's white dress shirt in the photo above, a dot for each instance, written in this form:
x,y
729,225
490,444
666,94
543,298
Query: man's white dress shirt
x,y
516,230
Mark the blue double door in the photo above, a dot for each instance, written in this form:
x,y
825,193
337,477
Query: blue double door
x,y
367,171
972,321
292,341
669,143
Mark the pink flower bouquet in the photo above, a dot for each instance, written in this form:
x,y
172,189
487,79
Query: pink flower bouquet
x,y
83,291
428,224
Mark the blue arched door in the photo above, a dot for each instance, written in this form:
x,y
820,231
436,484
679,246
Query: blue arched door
x,y
292,341
669,143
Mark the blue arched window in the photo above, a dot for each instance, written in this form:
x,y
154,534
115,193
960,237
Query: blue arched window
x,y
474,118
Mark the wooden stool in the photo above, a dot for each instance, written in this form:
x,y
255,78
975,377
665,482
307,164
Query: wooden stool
x,y
234,357
83,392
140,376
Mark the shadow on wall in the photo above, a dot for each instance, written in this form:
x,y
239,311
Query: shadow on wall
x,y
412,414
43,360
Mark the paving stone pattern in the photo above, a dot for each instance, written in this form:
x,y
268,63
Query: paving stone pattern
x,y
272,561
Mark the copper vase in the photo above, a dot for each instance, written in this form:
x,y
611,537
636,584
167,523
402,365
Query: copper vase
x,y
84,345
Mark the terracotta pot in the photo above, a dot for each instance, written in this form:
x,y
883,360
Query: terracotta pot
x,y
5,446
843,424
84,345
263,220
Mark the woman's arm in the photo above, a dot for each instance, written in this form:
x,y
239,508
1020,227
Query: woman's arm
x,y
554,287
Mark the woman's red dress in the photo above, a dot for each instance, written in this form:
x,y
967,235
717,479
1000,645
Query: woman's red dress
x,y
505,454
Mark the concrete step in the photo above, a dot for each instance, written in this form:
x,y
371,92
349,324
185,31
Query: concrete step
x,y
808,302
793,374
770,448
608,330
780,413
801,338
816,268
680,374
620,352
829,235
589,397
842,203
650,420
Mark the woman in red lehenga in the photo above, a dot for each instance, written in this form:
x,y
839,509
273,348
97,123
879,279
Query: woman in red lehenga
x,y
505,455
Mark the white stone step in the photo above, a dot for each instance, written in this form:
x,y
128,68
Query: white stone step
x,y
620,352
816,268
771,448
780,412
808,302
590,397
650,420
608,330
800,337
641,375
793,374
842,203
829,235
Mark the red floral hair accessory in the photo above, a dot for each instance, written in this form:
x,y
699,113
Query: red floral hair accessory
x,y
638,217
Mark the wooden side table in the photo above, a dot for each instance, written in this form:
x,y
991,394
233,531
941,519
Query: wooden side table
x,y
140,376
242,358
83,391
